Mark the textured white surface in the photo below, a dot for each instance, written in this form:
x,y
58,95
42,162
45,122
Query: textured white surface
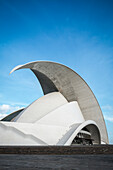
x,y
41,107
12,135
30,134
65,115
49,130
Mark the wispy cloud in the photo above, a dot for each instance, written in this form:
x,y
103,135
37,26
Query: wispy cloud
x,y
108,112
107,107
2,116
16,104
108,118
5,109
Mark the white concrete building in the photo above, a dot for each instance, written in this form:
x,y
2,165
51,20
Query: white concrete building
x,y
67,114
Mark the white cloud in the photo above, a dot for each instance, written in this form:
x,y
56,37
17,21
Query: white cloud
x,y
5,109
107,107
108,112
2,116
18,104
108,118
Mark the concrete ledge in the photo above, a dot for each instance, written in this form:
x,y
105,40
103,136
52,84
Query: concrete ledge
x,y
57,150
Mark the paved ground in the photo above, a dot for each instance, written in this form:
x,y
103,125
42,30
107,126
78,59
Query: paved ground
x,y
29,162
79,158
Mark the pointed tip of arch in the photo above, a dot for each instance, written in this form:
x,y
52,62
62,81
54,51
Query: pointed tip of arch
x,y
15,68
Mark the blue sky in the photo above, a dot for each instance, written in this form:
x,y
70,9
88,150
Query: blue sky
x,y
76,33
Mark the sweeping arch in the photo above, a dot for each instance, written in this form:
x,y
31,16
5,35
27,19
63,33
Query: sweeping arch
x,y
71,86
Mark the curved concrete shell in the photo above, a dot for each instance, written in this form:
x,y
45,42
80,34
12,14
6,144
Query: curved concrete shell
x,y
67,114
55,77
41,107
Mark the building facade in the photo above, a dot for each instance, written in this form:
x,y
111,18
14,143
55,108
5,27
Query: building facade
x,y
67,114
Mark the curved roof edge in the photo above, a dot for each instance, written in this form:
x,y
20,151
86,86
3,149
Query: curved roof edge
x,y
72,86
75,129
